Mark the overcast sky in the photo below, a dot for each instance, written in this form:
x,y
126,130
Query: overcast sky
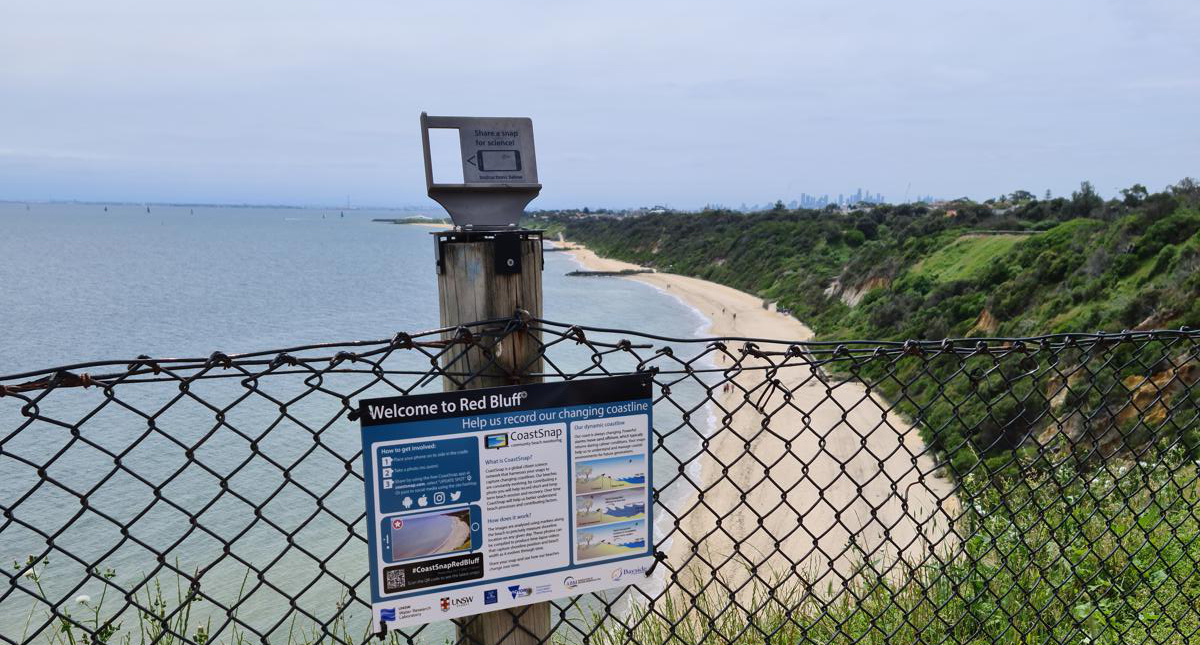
x,y
633,103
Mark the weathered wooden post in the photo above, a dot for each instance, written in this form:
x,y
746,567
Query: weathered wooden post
x,y
489,268
484,276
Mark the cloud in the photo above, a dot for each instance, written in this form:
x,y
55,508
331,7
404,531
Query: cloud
x,y
634,103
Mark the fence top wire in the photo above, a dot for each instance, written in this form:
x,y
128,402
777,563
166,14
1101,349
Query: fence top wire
x,y
312,355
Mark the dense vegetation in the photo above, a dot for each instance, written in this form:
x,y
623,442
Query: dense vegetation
x,y
1034,266
1014,266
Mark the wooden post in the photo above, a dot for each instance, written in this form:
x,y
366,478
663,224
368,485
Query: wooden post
x,y
470,289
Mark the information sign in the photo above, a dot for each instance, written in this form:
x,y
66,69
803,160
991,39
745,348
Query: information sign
x,y
479,500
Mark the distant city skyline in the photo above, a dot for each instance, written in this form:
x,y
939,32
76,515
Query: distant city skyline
x,y
672,102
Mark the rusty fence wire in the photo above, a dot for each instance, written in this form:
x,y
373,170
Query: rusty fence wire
x,y
1022,490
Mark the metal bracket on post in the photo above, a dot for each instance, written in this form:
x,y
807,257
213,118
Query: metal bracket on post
x,y
506,246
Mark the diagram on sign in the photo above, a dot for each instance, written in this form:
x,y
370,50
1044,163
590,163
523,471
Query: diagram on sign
x,y
614,506
601,475
611,540
611,495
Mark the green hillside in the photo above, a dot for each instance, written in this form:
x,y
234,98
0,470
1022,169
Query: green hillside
x,y
915,271
1014,266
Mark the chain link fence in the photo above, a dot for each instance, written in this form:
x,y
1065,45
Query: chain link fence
x,y
1033,490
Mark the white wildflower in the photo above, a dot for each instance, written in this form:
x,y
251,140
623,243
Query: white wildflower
x,y
83,599
29,575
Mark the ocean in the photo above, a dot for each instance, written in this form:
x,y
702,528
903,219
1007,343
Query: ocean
x,y
81,283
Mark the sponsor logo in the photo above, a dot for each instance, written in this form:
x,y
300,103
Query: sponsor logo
x,y
490,597
622,572
570,582
495,440
387,614
518,591
541,589
461,601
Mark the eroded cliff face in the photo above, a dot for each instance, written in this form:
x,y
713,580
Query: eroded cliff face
x,y
1134,413
851,294
986,323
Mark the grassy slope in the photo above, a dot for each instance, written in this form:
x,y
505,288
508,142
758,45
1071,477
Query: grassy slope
x,y
964,258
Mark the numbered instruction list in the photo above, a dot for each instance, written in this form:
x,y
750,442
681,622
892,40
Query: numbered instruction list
x,y
480,500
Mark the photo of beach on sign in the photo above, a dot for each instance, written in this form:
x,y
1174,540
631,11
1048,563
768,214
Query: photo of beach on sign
x,y
430,534
610,473
610,540
610,506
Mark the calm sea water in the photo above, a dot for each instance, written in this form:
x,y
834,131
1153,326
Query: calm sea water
x,y
78,283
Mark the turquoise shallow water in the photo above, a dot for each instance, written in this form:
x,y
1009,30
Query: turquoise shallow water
x,y
78,284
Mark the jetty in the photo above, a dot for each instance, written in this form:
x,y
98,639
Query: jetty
x,y
623,272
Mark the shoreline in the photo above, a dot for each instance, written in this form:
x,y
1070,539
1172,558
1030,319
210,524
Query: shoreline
x,y
805,498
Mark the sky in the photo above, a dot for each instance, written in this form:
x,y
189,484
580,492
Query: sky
x,y
633,103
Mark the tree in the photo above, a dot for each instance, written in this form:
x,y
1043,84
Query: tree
x,y
1187,188
1019,196
1135,195
1085,200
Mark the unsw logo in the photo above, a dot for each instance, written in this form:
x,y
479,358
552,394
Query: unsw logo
x,y
461,601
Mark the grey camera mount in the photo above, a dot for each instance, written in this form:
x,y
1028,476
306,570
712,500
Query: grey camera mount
x,y
499,170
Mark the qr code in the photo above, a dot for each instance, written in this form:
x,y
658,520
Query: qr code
x,y
393,579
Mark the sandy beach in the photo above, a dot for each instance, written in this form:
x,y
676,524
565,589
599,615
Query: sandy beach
x,y
836,480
